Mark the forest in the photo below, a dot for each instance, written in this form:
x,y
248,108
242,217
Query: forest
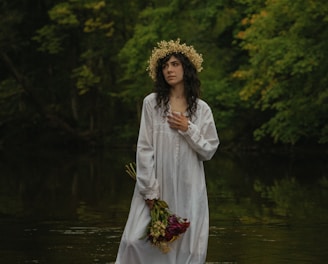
x,y
73,72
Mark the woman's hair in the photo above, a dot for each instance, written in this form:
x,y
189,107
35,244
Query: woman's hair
x,y
191,84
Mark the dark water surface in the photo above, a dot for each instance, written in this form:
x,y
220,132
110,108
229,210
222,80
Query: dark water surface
x,y
60,208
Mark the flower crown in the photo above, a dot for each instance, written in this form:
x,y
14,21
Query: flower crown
x,y
167,47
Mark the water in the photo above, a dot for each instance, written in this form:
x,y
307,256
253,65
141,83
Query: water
x,y
65,208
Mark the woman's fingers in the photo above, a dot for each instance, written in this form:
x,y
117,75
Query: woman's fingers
x,y
178,122
150,203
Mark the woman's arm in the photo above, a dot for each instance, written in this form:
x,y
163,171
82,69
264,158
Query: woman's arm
x,y
203,138
146,179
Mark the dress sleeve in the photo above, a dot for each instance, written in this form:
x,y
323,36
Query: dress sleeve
x,y
146,178
203,137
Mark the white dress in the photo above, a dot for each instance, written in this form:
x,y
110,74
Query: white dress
x,y
170,167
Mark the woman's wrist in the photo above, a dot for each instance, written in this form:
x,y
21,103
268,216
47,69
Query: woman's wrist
x,y
150,203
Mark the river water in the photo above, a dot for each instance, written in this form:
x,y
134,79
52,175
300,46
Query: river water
x,y
63,208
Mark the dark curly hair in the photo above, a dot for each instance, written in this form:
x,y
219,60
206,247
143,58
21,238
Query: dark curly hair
x,y
191,84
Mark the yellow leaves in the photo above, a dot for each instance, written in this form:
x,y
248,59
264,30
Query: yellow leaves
x,y
250,90
245,21
251,47
99,5
252,86
240,74
255,17
96,6
94,24
241,35
68,14
63,14
263,13
243,74
248,21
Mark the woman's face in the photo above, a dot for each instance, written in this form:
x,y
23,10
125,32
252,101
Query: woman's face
x,y
173,71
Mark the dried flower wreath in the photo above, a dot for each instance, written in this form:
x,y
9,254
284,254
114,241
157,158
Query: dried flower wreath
x,y
168,47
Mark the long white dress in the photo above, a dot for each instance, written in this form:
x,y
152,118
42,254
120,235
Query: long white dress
x,y
170,167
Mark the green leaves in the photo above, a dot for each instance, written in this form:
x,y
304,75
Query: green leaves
x,y
285,45
265,66
63,14
85,79
49,39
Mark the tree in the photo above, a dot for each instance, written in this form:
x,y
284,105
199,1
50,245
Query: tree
x,y
205,25
60,65
78,32
286,71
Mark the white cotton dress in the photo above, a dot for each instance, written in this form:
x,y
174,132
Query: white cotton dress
x,y
170,167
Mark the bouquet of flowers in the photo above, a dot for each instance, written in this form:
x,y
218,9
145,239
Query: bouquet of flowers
x,y
164,227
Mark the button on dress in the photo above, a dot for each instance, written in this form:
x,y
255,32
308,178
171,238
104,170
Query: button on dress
x,y
170,167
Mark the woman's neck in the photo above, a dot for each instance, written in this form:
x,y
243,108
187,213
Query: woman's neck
x,y
177,92
178,102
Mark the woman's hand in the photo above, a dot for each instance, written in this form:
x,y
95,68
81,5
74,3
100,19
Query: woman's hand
x,y
150,203
178,121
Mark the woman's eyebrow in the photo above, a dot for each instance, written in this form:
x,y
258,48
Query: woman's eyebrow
x,y
170,62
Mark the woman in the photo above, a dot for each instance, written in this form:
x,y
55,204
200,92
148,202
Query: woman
x,y
177,133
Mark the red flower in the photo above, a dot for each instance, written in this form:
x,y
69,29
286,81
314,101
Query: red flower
x,y
164,227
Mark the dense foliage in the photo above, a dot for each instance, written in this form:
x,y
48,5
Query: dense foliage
x,y
73,71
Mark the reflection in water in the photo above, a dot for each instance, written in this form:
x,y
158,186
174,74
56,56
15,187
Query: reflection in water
x,y
64,208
